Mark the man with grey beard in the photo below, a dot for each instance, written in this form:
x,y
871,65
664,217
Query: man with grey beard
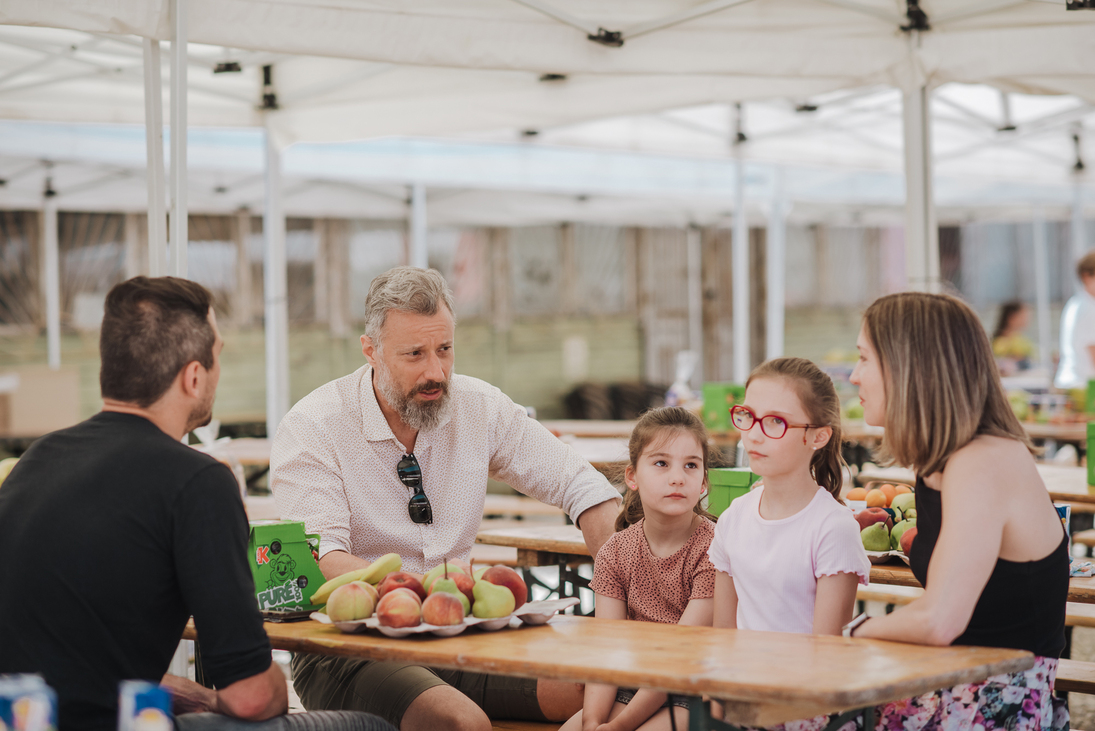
x,y
395,458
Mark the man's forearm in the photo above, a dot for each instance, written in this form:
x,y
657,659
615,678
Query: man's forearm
x,y
337,563
598,524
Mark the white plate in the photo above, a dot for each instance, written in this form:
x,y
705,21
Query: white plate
x,y
530,613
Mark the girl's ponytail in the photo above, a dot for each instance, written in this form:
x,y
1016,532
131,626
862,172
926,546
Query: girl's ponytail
x,y
817,393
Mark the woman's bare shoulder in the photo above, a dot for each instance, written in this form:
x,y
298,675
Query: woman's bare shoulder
x,y
989,459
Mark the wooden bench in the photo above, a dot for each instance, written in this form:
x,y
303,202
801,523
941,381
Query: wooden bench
x,y
1075,676
1076,614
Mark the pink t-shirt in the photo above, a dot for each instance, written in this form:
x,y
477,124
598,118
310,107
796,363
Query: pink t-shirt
x,y
776,563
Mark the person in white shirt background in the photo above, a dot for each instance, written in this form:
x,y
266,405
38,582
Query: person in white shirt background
x,y
1077,364
395,458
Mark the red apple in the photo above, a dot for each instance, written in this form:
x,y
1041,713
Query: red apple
x,y
907,540
401,579
870,516
507,577
463,582
442,609
399,608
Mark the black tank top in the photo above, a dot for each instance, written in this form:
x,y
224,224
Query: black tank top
x,y
1023,605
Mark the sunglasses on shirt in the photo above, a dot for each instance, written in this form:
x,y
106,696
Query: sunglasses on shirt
x,y
410,474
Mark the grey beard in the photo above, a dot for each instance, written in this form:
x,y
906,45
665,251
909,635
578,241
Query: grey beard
x,y
420,416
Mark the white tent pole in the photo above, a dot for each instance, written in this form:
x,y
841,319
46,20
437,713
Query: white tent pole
x,y
695,301
153,125
275,287
51,263
179,212
740,261
419,253
921,232
1041,289
776,265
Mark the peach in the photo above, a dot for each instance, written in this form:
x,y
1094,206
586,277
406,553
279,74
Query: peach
x,y
907,539
401,579
876,499
442,609
351,601
856,493
507,577
399,608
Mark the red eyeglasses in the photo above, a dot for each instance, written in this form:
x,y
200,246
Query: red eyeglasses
x,y
774,427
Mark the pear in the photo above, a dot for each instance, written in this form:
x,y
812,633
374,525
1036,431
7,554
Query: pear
x,y
442,568
898,531
904,502
491,600
448,586
875,537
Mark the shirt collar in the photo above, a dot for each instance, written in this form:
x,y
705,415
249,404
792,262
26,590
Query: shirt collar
x,y
373,424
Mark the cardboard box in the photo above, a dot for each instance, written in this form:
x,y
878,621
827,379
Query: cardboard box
x,y
717,400
283,563
36,400
1090,453
726,484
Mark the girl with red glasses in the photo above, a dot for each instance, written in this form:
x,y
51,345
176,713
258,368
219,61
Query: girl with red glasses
x,y
788,555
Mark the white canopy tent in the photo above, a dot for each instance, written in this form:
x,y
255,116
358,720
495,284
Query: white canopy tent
x,y
576,59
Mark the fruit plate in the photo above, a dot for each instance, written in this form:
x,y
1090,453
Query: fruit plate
x,y
529,613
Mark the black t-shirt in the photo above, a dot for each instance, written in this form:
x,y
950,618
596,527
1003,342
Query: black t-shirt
x,y
112,534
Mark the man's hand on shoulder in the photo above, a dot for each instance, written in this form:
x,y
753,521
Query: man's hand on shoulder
x,y
257,698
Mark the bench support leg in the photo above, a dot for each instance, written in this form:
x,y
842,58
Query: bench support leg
x,y
699,718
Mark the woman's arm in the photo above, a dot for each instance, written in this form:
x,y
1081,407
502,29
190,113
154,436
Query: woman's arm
x,y
725,609
598,700
834,602
965,554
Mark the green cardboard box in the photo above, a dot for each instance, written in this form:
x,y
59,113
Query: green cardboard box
x,y
283,564
717,400
1090,454
726,484
1089,402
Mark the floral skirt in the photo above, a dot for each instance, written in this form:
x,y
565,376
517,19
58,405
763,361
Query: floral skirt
x,y
1022,701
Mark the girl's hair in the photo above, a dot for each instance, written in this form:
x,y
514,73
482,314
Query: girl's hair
x,y
1007,311
942,385
816,392
654,427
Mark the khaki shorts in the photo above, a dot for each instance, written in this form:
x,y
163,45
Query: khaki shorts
x,y
388,688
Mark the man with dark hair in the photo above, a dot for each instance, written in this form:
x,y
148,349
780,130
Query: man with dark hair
x,y
114,533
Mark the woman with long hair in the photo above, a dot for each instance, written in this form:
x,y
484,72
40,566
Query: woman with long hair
x,y
995,572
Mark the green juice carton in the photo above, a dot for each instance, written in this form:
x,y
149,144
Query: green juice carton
x,y
717,400
726,484
284,564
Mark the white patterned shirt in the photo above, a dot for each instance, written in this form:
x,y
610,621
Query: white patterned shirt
x,y
333,466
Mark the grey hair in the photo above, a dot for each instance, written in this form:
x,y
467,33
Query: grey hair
x,y
408,289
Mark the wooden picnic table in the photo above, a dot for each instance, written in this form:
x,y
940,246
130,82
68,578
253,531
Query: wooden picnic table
x,y
557,545
765,677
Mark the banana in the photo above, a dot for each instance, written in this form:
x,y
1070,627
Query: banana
x,y
372,573
381,567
